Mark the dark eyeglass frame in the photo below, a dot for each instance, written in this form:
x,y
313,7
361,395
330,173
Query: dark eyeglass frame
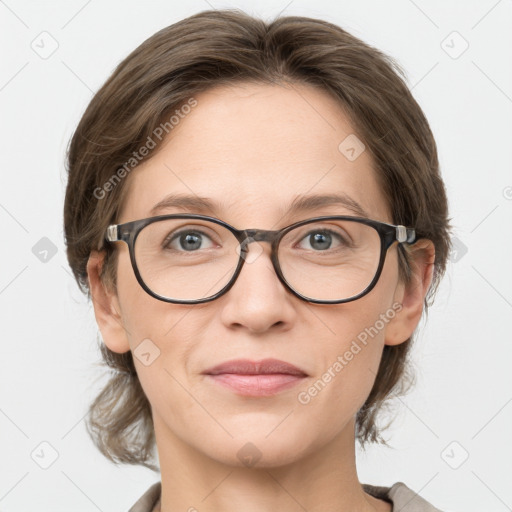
x,y
388,233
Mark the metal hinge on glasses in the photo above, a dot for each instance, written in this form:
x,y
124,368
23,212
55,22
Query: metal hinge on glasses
x,y
404,234
112,233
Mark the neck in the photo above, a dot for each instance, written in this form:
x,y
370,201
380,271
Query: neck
x,y
318,480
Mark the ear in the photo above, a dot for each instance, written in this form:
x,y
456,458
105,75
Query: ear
x,y
411,295
106,307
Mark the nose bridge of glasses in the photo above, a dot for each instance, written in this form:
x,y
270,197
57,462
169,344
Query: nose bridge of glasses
x,y
257,235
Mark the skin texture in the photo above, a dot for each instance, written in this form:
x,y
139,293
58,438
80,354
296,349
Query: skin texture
x,y
253,149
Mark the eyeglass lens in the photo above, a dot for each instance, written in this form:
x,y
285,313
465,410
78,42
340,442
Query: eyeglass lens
x,y
191,259
185,259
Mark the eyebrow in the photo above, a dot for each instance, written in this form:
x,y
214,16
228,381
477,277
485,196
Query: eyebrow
x,y
204,205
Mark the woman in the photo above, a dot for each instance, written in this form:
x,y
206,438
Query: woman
x,y
256,211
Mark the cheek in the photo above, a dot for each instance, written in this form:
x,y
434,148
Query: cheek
x,y
352,354
143,315
353,348
157,331
163,337
136,304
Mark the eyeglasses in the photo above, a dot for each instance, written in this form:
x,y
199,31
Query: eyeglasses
x,y
191,259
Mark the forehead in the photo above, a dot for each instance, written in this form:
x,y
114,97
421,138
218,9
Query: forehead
x,y
253,149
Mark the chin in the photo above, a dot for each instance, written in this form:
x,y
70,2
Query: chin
x,y
256,449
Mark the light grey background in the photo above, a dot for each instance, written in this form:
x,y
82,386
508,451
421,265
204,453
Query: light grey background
x,y
48,372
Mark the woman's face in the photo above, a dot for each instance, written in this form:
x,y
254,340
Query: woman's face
x,y
252,149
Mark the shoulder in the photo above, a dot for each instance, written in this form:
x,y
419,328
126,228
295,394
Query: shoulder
x,y
402,498
148,500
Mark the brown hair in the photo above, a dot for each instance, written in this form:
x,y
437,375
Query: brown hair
x,y
224,47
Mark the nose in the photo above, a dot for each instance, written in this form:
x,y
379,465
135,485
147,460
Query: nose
x,y
258,301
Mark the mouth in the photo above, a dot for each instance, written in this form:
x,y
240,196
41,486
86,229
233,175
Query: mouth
x,y
256,378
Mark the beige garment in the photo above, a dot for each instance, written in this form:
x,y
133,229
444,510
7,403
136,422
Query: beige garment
x,y
402,498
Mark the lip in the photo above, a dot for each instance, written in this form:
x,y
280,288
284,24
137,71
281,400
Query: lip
x,y
263,367
256,378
